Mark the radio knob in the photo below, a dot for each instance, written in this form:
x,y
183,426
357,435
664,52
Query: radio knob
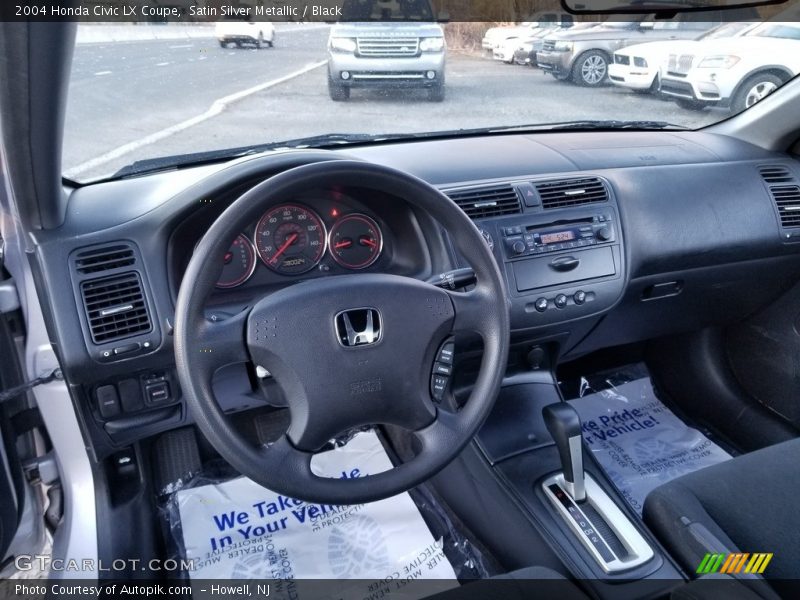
x,y
518,247
603,234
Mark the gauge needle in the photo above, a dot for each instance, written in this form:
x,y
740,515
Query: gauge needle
x,y
289,241
365,241
228,257
343,244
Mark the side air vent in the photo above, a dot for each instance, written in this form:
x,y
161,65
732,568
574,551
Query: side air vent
x,y
776,174
571,192
787,199
115,307
784,188
487,201
106,258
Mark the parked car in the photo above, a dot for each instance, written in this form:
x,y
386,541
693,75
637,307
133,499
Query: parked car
x,y
639,67
396,45
583,56
505,50
734,73
495,35
235,30
527,48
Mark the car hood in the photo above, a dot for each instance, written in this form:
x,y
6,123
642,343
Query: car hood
x,y
661,48
359,29
595,33
507,32
749,44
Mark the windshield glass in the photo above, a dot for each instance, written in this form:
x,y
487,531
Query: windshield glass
x,y
789,31
154,95
376,10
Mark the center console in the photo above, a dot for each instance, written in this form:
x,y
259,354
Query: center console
x,y
531,446
562,269
559,245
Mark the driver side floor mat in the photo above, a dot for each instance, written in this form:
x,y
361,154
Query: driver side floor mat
x,y
638,441
229,527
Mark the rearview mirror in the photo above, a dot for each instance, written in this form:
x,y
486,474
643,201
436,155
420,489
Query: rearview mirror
x,y
638,7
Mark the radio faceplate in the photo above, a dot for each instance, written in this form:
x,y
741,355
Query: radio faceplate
x,y
529,240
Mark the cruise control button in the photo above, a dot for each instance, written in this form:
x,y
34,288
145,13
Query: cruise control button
x,y
438,386
446,353
560,301
442,369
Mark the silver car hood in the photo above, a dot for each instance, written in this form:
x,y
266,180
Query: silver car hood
x,y
368,29
595,33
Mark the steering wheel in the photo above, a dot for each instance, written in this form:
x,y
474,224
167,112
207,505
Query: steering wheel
x,y
331,387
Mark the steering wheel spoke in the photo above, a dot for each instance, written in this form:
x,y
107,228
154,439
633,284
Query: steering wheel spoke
x,y
220,343
442,432
470,309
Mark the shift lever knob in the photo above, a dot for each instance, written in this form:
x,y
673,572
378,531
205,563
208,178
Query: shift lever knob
x,y
564,425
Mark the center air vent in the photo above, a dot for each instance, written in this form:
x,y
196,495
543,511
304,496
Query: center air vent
x,y
571,192
786,197
115,307
106,258
487,201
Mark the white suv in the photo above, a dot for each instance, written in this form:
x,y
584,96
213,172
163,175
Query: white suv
x,y
734,72
639,67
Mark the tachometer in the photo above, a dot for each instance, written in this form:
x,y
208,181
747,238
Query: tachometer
x,y
238,264
356,241
290,239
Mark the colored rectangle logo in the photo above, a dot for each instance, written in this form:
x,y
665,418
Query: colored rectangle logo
x,y
735,562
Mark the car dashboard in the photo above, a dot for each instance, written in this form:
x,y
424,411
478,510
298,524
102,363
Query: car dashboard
x,y
599,236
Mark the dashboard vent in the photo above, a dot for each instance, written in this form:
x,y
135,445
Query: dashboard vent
x,y
776,174
487,201
115,307
787,199
104,259
782,186
571,192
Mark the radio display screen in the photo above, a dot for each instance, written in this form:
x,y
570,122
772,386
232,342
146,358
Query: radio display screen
x,y
558,236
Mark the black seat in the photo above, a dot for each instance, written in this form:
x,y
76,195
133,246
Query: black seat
x,y
748,504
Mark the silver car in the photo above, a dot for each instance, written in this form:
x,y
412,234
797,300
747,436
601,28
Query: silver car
x,y
387,45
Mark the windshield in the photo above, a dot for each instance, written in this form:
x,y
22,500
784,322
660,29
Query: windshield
x,y
145,96
789,31
382,10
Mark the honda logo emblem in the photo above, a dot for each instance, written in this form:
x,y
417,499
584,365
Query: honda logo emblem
x,y
358,327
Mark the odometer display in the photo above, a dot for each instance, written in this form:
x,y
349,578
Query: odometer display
x,y
290,239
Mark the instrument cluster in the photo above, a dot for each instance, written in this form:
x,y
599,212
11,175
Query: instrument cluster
x,y
292,239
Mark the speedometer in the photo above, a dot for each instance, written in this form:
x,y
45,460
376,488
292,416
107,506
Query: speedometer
x,y
290,239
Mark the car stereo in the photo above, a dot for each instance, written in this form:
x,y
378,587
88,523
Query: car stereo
x,y
528,240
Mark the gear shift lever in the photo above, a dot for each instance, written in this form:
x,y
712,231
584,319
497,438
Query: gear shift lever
x,y
564,426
